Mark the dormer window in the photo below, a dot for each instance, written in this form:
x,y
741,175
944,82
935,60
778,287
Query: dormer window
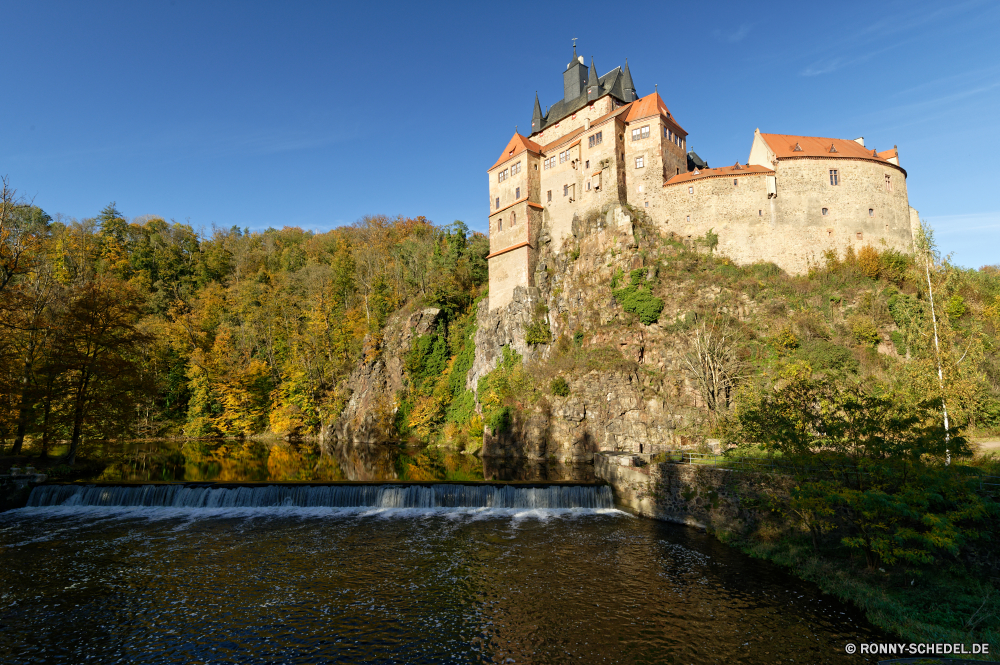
x,y
797,148
833,148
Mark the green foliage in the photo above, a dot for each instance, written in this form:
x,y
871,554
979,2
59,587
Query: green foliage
x,y
559,387
786,339
872,455
955,307
864,331
578,338
500,420
824,355
637,298
538,332
503,388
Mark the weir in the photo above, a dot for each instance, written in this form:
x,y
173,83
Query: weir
x,y
444,495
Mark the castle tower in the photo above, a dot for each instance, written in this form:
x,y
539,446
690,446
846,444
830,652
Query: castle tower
x,y
628,86
575,77
536,117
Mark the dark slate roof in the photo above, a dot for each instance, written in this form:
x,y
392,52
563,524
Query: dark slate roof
x,y
611,84
695,162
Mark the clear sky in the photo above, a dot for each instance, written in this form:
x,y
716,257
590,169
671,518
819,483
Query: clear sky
x,y
313,114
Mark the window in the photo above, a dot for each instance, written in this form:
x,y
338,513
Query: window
x,y
639,162
826,211
503,175
563,156
647,204
513,218
565,190
689,218
640,133
550,162
871,212
548,196
736,182
834,177
690,190
536,166
760,213
595,139
860,235
588,185
888,183
498,203
500,224
514,170
586,164
517,192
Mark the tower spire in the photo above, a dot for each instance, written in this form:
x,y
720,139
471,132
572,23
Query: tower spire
x,y
536,116
628,86
593,83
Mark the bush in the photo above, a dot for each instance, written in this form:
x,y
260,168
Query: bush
x,y
559,387
868,262
955,307
864,331
824,355
501,420
786,339
637,298
578,338
538,332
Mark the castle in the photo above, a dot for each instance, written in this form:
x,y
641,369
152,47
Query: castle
x,y
795,197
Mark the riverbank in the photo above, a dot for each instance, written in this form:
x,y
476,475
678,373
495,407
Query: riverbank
x,y
945,603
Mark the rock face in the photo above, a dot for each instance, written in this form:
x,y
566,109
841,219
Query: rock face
x,y
631,394
369,414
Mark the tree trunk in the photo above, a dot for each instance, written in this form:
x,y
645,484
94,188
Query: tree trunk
x,y
81,399
22,415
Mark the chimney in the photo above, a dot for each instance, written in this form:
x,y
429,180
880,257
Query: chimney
x,y
860,141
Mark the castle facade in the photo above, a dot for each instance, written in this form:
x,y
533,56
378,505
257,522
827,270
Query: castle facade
x,y
795,197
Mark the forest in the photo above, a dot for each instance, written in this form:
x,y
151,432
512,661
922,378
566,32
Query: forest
x,y
116,327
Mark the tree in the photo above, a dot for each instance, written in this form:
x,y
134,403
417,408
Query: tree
x,y
98,347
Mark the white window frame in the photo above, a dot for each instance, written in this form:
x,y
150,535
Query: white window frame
x,y
640,162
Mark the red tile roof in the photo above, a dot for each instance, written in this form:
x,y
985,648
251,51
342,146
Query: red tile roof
x,y
784,146
728,171
516,146
648,106
889,154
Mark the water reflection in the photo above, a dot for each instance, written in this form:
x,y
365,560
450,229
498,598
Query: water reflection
x,y
283,461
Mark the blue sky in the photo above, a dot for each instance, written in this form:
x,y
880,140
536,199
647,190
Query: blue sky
x,y
313,114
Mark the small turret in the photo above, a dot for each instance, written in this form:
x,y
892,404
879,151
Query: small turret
x,y
574,78
627,86
536,117
593,83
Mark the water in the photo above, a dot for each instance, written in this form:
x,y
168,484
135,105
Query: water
x,y
262,579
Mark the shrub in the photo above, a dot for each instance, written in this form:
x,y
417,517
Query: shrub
x,y
578,338
824,355
864,331
538,332
868,262
559,387
786,339
898,341
955,307
637,298
501,420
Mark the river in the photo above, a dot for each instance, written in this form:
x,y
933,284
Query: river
x,y
500,574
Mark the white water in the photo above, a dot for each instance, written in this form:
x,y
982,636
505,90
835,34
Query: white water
x,y
437,497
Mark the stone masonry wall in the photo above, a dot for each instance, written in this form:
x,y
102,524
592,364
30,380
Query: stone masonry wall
x,y
707,497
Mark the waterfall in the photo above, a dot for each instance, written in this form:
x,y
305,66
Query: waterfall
x,y
326,496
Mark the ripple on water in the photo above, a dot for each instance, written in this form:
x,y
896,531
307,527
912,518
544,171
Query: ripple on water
x,y
472,585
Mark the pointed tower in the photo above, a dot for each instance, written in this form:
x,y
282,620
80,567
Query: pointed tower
x,y
536,117
574,78
627,86
593,83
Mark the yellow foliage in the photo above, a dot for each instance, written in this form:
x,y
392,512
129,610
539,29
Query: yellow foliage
x,y
868,262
